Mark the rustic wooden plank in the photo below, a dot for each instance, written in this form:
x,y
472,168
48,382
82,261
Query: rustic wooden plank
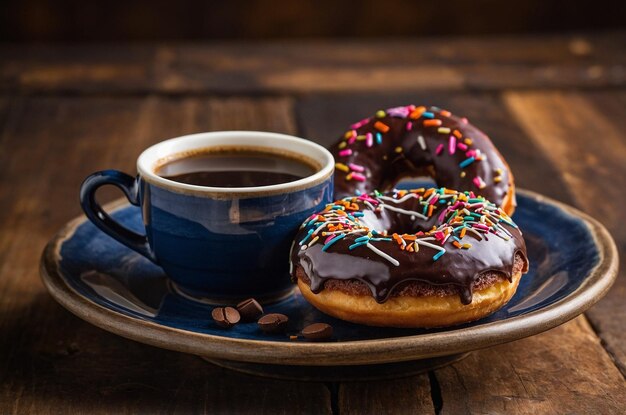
x,y
400,65
584,144
274,115
323,119
398,396
70,68
561,371
579,61
583,136
52,362
611,104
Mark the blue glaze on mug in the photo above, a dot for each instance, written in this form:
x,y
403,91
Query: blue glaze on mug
x,y
242,244
217,243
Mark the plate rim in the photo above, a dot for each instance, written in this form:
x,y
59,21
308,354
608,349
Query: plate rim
x,y
373,351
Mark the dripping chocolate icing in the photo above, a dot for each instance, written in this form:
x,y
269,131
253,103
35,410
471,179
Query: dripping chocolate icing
x,y
457,267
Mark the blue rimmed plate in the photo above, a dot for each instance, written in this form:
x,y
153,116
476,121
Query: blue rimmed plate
x,y
573,262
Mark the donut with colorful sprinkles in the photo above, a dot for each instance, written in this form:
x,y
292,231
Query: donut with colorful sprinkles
x,y
409,258
414,141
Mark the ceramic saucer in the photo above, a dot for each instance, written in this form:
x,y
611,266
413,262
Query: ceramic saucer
x,y
573,262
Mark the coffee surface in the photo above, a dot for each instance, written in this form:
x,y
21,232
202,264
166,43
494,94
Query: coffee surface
x,y
235,168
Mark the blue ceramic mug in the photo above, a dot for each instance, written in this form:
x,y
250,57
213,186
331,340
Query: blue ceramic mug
x,y
217,243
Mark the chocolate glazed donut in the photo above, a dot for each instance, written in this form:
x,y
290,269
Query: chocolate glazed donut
x,y
418,258
409,141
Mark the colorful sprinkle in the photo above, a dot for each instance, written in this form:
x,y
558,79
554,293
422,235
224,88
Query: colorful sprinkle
x,y
356,167
342,167
421,142
438,255
452,144
400,112
334,240
382,127
478,182
432,123
346,152
439,149
398,149
384,255
359,124
466,162
417,112
313,241
356,245
443,130
358,177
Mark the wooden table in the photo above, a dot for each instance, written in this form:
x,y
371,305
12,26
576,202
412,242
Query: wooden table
x,y
555,106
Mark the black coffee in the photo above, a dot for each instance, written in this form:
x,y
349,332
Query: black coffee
x,y
235,168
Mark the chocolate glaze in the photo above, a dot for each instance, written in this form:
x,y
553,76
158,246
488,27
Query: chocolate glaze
x,y
384,167
414,288
458,267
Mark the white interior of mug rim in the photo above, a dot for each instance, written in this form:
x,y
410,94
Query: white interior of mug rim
x,y
149,160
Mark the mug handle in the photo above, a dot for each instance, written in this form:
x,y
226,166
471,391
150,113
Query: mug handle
x,y
130,186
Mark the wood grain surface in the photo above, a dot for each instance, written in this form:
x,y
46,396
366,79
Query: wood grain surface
x,y
554,106
580,61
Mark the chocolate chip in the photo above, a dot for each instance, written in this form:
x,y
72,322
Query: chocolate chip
x,y
225,316
249,309
318,331
273,323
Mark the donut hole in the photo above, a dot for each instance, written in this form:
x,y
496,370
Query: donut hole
x,y
402,224
407,183
393,222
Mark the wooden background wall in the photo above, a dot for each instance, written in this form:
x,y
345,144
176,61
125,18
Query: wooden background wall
x,y
114,20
